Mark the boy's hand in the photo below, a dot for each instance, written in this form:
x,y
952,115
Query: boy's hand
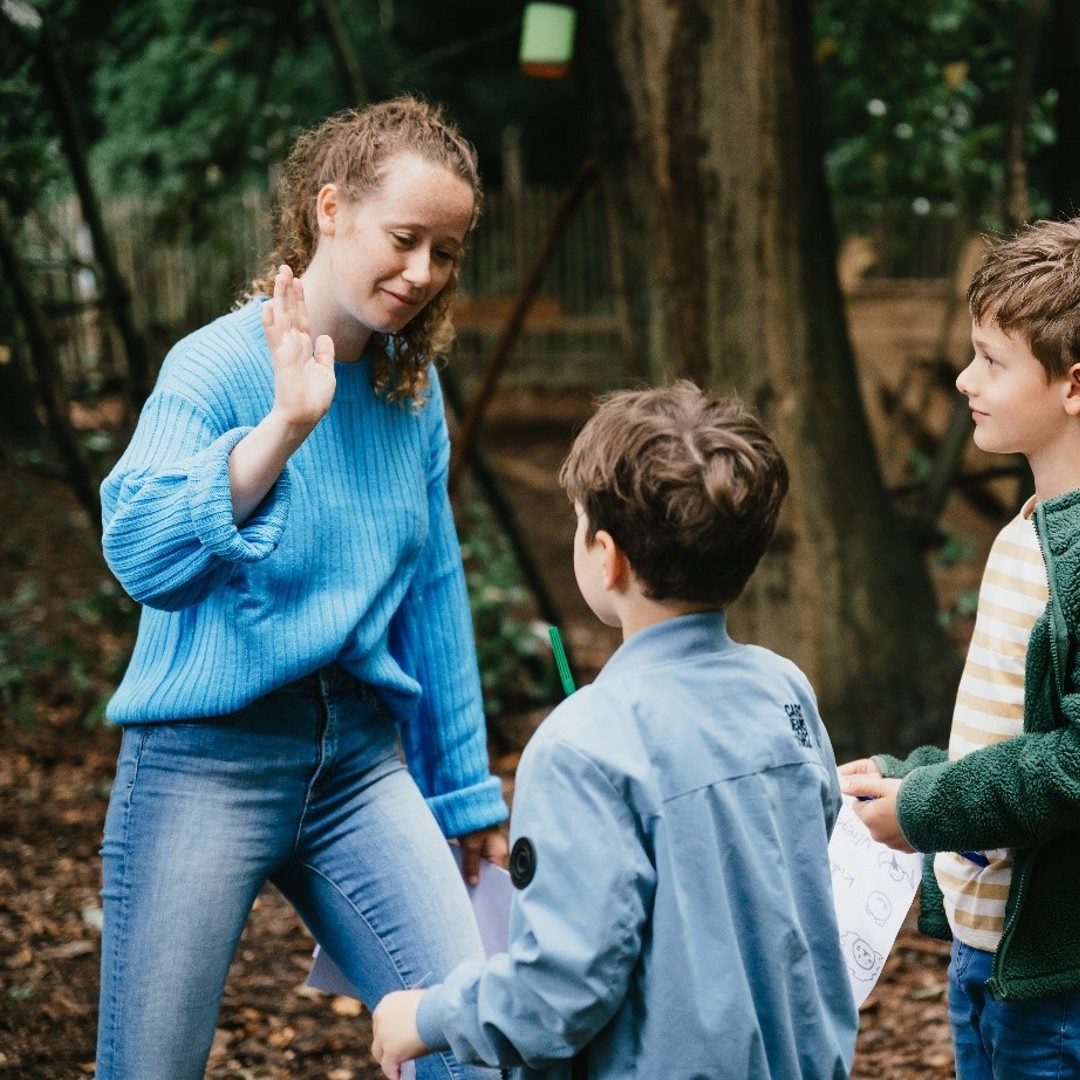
x,y
878,812
394,1035
862,767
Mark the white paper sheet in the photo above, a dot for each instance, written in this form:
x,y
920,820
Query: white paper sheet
x,y
873,887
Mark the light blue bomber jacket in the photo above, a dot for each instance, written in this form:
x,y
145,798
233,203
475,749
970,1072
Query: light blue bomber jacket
x,y
674,913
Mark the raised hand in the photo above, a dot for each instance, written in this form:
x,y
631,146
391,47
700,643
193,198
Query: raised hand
x,y
304,380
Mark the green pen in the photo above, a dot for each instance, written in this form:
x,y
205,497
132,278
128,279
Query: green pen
x,y
560,660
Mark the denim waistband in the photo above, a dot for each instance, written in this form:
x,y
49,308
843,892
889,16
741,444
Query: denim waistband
x,y
330,680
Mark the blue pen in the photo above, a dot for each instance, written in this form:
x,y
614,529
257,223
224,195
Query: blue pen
x,y
971,856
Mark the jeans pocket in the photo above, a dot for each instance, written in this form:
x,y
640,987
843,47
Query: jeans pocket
x,y
960,961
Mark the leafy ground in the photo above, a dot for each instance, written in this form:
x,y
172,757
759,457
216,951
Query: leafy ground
x,y
61,642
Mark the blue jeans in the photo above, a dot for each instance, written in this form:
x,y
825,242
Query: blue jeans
x,y
1008,1040
303,788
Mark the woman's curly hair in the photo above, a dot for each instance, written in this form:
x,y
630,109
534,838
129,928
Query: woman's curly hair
x,y
351,150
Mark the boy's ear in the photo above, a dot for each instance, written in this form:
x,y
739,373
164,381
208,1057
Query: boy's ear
x,y
614,564
1072,391
326,209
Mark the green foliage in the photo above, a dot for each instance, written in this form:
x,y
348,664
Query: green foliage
x,y
954,549
516,668
48,663
914,96
964,606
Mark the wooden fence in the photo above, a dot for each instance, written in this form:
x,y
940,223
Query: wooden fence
x,y
572,338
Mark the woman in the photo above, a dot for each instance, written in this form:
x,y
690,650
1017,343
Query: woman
x,y
281,513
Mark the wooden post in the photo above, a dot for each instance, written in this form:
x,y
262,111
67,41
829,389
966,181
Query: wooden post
x,y
516,320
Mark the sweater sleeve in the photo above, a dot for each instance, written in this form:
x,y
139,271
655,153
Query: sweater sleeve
x,y
1017,793
167,509
445,743
569,964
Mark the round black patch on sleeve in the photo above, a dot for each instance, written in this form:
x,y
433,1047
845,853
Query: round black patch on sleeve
x,y
522,862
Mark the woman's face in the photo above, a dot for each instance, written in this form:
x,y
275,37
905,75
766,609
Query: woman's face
x,y
392,251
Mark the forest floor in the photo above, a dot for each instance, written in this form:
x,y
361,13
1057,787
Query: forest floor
x,y
59,613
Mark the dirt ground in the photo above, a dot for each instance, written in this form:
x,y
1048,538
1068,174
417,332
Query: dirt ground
x,y
55,773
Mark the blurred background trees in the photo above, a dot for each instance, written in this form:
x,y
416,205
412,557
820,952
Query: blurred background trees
x,y
739,147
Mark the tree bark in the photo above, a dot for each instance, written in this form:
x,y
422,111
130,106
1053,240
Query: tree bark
x,y
47,372
345,55
117,293
1029,26
1067,64
706,119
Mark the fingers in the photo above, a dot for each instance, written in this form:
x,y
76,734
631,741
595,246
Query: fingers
x,y
861,767
390,1068
283,281
862,786
470,862
298,307
324,350
497,850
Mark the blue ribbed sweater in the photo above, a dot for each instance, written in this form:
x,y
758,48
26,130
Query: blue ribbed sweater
x,y
352,556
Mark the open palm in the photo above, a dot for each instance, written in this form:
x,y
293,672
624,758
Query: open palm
x,y
304,379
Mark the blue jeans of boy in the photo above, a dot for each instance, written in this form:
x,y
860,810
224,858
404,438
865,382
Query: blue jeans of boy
x,y
303,788
1008,1040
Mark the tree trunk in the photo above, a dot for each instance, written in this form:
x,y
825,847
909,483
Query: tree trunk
x,y
18,420
345,55
706,118
1067,64
47,372
1029,28
116,291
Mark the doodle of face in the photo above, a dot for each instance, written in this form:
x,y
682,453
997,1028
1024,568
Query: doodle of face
x,y
863,955
878,907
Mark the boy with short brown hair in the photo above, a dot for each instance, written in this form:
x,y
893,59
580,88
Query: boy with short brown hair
x,y
673,914
1001,808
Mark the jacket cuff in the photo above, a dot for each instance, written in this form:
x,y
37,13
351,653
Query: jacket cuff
x,y
910,798
470,809
890,767
428,1026
211,506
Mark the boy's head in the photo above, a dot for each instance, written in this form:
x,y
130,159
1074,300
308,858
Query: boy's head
x,y
689,486
1029,286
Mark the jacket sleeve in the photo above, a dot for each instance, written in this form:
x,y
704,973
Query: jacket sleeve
x,y
897,768
576,926
167,512
445,742
1017,793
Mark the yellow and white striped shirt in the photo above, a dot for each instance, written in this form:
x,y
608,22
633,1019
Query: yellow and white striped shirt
x,y
990,709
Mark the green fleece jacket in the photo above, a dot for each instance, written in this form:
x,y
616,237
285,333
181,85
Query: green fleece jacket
x,y
1022,794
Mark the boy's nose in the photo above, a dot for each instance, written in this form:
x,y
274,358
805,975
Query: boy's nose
x,y
963,381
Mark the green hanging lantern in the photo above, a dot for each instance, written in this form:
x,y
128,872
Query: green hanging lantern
x,y
547,39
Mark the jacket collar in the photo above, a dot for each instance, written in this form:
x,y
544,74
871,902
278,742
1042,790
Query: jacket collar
x,y
672,640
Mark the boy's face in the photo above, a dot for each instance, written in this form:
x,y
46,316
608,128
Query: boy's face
x,y
1016,409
